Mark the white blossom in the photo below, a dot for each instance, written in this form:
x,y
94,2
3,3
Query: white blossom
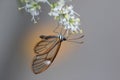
x,y
32,8
44,1
41,1
65,15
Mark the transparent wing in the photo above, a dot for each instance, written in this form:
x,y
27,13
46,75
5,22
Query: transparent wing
x,y
42,61
45,45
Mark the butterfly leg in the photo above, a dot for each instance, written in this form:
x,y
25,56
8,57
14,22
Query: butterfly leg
x,y
55,30
77,38
73,40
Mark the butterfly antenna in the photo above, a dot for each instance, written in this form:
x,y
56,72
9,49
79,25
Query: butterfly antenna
x,y
76,42
55,30
80,37
61,31
69,34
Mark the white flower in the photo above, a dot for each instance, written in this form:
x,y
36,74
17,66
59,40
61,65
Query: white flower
x,y
44,1
33,8
61,2
56,8
41,1
66,16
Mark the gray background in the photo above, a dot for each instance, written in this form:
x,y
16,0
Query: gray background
x,y
97,59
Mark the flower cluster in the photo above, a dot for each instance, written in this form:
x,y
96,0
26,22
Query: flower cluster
x,y
33,7
63,13
66,16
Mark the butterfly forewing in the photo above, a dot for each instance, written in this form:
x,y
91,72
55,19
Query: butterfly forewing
x,y
45,45
43,60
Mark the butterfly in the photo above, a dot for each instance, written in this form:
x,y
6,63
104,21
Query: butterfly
x,y
46,51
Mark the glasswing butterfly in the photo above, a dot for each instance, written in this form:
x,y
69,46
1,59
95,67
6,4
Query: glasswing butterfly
x,y
47,49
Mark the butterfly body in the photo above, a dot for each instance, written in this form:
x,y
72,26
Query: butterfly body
x,y
61,37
